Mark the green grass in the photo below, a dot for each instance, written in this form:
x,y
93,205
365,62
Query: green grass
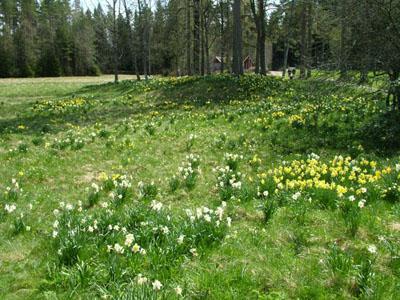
x,y
73,142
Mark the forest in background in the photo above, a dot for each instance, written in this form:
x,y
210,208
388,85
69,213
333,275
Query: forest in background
x,y
222,186
183,37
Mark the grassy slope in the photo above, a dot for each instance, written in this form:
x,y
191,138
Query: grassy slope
x,y
255,260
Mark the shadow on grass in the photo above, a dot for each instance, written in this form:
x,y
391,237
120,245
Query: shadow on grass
x,y
37,124
195,91
382,133
127,99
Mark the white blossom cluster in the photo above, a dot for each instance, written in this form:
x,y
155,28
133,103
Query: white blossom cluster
x,y
228,178
190,167
12,192
209,215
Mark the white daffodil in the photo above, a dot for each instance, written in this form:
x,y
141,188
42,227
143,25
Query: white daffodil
x,y
157,285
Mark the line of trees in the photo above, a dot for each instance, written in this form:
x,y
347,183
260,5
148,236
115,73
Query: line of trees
x,y
57,37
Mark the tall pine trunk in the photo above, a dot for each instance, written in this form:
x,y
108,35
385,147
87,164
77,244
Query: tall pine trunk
x,y
196,37
188,40
206,38
261,22
309,40
237,66
303,41
115,47
222,29
202,45
287,39
343,41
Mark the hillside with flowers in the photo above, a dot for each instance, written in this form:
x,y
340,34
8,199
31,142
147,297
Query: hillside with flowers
x,y
198,188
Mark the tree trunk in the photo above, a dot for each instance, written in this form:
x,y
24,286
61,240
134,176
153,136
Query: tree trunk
x,y
309,40
285,59
145,48
257,69
222,36
394,90
287,40
303,41
257,24
366,58
137,69
261,22
132,43
206,38
188,40
237,66
202,45
115,47
196,37
148,32
343,41
363,76
148,37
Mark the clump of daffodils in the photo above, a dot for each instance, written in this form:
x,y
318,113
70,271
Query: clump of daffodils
x,y
208,215
190,141
342,182
156,206
296,121
13,191
9,208
187,173
228,182
232,160
118,186
66,105
339,175
134,232
147,190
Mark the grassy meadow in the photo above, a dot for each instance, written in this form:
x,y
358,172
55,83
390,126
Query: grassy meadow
x,y
198,188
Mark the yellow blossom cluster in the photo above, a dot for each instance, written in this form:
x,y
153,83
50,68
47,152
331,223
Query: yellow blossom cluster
x,y
278,114
296,119
59,106
342,174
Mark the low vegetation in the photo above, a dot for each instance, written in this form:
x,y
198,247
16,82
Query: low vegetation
x,y
199,188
